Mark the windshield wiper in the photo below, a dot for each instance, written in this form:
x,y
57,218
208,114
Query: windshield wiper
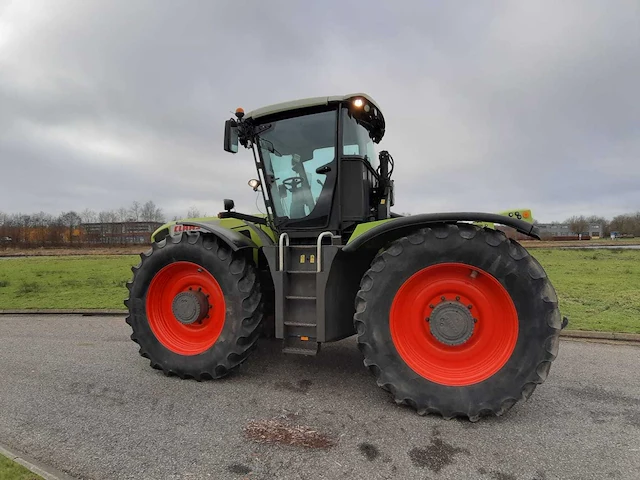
x,y
270,148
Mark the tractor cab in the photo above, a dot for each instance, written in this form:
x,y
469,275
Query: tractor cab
x,y
317,162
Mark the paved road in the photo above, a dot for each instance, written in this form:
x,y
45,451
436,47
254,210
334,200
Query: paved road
x,y
75,394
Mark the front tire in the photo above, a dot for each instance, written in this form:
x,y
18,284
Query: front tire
x,y
194,306
457,320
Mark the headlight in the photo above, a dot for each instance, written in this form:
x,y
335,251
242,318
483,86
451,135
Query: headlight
x,y
254,183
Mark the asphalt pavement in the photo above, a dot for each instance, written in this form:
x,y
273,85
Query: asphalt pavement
x,y
75,394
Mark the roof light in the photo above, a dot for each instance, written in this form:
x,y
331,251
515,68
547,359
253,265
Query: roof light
x,y
358,103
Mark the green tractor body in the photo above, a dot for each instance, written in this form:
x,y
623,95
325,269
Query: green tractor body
x,y
451,316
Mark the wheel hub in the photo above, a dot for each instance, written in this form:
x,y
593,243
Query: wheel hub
x,y
190,307
451,323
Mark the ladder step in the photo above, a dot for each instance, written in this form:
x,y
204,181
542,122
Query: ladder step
x,y
306,272
299,297
299,351
300,324
300,347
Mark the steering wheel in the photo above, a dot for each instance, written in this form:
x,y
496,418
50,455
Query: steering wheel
x,y
292,183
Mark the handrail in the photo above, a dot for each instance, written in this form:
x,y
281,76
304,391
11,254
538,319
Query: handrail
x,y
281,246
319,248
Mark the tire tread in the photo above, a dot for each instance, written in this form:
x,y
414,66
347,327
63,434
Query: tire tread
x,y
246,285
457,233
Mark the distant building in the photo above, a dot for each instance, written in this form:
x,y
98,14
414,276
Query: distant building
x,y
596,231
555,230
118,232
563,230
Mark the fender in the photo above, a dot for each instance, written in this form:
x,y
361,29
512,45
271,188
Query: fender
x,y
235,240
388,230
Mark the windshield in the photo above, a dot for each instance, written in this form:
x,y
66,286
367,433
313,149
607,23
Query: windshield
x,y
357,141
300,163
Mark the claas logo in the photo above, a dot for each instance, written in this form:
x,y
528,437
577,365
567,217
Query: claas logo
x,y
185,228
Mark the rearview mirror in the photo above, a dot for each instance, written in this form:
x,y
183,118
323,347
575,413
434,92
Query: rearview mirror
x,y
231,136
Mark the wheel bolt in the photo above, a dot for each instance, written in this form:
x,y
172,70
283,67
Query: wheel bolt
x,y
469,306
442,298
431,306
475,320
457,299
427,319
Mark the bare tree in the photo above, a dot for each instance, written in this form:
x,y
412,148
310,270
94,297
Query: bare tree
x,y
40,223
151,213
578,224
88,216
147,212
635,224
23,223
626,224
55,232
4,226
71,220
193,212
134,211
123,214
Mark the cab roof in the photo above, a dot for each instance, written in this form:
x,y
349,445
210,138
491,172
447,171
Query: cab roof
x,y
305,103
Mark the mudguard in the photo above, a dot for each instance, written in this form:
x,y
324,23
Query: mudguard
x,y
234,239
380,233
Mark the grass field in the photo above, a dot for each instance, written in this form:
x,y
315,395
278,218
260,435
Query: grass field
x,y
10,470
65,282
598,289
579,243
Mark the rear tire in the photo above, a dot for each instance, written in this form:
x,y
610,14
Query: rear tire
x,y
214,345
496,332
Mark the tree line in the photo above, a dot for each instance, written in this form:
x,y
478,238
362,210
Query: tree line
x,y
42,228
627,224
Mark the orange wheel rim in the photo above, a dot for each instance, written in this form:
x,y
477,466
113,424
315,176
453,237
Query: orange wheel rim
x,y
475,329
180,280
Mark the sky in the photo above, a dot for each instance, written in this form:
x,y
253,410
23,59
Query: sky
x,y
489,105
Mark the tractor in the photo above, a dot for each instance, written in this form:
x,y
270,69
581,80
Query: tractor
x,y
451,315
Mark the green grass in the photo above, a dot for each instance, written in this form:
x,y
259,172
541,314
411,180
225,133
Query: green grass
x,y
598,289
10,470
65,282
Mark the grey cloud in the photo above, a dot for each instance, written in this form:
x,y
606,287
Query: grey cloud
x,y
495,105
